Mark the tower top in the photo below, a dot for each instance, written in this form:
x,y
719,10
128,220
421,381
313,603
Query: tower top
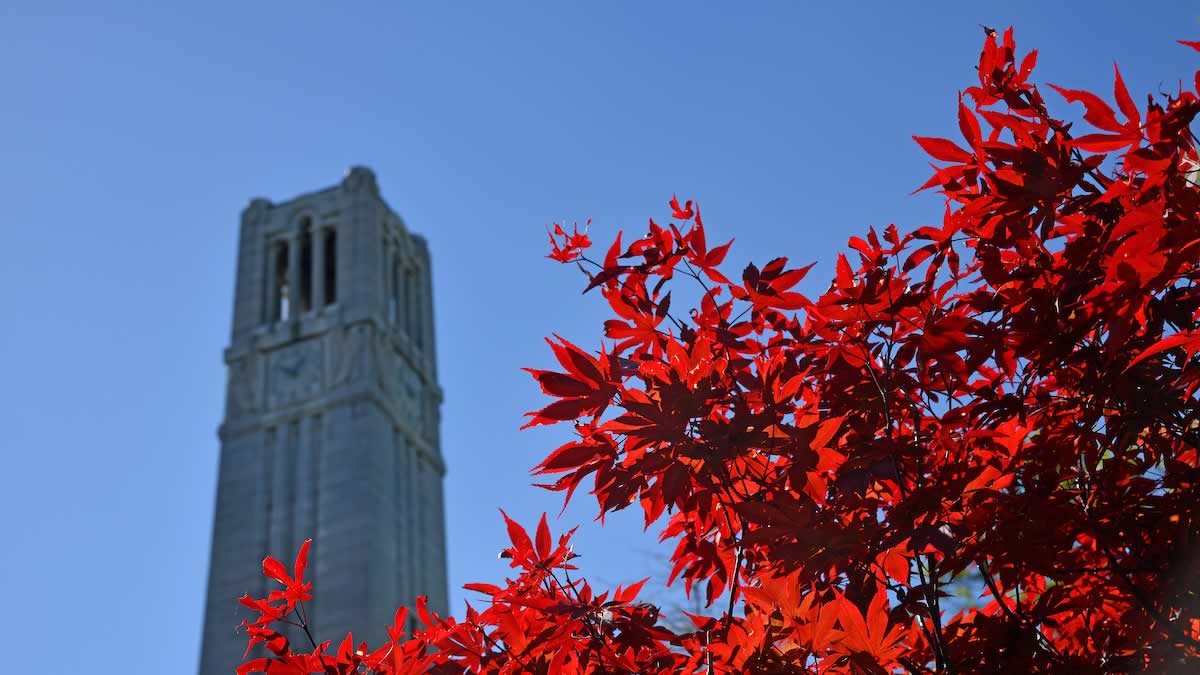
x,y
334,256
358,181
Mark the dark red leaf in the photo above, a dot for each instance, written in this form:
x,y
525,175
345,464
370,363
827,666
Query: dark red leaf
x,y
568,457
561,411
543,539
559,384
1189,341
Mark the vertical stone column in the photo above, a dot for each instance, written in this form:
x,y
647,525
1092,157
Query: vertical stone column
x,y
262,497
410,303
419,304
280,497
412,512
389,301
404,309
272,287
399,519
385,252
304,490
294,276
318,268
278,540
427,311
396,284
250,288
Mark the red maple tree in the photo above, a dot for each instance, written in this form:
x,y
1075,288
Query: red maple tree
x,y
1009,400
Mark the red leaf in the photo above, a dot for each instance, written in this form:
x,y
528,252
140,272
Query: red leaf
x,y
852,622
825,432
1189,341
346,650
787,280
1124,101
516,534
895,564
942,149
943,176
1189,43
576,360
275,570
685,213
572,245
877,622
675,483
561,411
568,457
302,561
717,255
259,665
969,126
543,539
559,384
1027,65
845,275
396,630
919,256
1098,113
423,607
614,252
630,593
859,244
1101,142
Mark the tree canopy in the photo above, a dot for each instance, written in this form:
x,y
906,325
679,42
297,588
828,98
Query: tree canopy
x,y
1007,402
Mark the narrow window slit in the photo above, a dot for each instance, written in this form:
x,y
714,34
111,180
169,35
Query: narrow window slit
x,y
279,299
410,303
394,297
330,266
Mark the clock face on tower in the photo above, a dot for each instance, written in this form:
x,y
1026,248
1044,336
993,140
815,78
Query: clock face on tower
x,y
295,373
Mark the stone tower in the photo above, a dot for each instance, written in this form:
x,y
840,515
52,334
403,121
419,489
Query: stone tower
x,y
331,426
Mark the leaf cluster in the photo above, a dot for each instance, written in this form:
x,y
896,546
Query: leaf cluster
x,y
1010,396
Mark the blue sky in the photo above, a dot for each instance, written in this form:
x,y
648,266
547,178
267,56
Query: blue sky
x,y
134,133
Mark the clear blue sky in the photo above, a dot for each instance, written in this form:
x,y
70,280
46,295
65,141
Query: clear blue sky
x,y
134,133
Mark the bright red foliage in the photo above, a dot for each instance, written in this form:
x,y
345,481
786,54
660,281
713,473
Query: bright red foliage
x,y
572,245
1006,402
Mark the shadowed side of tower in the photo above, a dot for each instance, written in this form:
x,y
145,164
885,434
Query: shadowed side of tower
x,y
332,418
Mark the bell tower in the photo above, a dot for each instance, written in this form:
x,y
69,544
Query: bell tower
x,y
332,418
